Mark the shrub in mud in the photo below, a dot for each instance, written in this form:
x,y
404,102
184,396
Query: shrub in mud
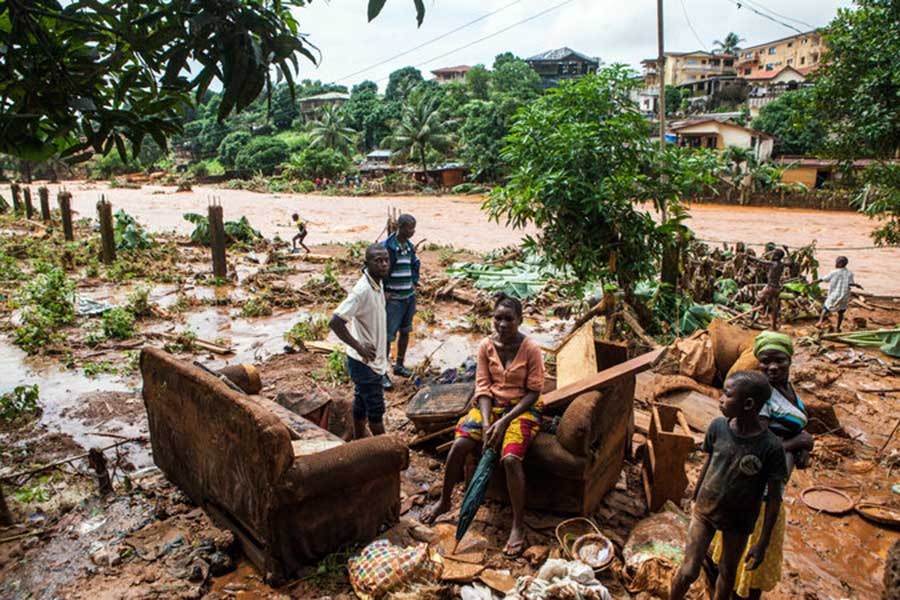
x,y
19,404
313,328
256,307
118,323
47,304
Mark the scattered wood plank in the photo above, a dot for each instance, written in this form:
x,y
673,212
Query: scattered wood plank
x,y
565,394
632,322
699,409
321,347
431,436
200,343
576,357
444,447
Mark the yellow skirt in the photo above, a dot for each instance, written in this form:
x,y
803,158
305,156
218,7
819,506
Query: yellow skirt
x,y
768,574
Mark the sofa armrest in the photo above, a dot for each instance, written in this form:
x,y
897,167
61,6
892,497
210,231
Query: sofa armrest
x,y
576,430
362,460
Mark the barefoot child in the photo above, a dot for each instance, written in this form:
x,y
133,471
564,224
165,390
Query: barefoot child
x,y
770,296
839,283
746,461
301,232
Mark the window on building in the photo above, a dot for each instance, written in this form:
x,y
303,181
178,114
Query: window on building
x,y
748,55
772,50
790,61
802,60
753,142
790,44
747,71
770,67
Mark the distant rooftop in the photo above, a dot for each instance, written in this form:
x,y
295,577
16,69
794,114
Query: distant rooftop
x,y
560,54
456,69
327,96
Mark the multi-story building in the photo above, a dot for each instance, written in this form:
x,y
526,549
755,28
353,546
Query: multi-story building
x,y
562,63
688,68
802,52
448,74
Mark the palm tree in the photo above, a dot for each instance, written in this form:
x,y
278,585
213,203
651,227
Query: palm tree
x,y
420,129
731,45
329,130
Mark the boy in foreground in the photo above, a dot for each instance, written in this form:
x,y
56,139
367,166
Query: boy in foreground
x,y
366,341
746,461
839,283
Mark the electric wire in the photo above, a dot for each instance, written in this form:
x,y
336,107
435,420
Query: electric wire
x,y
743,4
691,26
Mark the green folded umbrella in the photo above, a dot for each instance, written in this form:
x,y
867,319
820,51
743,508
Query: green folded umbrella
x,y
475,492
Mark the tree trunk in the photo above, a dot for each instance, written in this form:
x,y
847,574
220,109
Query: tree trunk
x,y
424,164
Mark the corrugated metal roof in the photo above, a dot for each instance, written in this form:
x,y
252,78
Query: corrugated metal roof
x,y
560,54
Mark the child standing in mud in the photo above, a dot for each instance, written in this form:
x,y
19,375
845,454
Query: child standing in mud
x,y
746,461
301,232
770,296
839,283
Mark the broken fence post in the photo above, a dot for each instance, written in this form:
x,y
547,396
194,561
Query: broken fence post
x,y
29,208
16,190
64,199
98,464
5,515
44,195
107,235
217,240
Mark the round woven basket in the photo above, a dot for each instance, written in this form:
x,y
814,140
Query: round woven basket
x,y
595,550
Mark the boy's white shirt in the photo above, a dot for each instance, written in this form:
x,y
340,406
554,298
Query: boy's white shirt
x,y
364,310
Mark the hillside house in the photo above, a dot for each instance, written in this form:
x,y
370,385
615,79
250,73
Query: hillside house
x,y
800,51
765,86
719,135
563,63
309,105
448,74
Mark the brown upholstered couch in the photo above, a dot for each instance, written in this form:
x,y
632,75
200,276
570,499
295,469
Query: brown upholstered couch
x,y
572,470
254,467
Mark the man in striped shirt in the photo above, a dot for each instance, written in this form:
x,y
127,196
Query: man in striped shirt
x,y
400,291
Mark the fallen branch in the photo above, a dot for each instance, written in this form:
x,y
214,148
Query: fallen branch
x,y
632,322
20,536
59,463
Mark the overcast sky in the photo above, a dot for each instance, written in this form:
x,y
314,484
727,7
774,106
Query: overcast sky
x,y
614,30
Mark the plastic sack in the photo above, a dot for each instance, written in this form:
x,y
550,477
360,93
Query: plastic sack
x,y
382,567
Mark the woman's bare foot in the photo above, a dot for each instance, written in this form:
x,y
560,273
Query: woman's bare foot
x,y
436,510
515,545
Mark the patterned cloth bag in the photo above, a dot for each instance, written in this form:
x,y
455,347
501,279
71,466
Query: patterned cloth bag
x,y
382,567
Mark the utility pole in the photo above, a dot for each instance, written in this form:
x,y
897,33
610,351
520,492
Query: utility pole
x,y
661,74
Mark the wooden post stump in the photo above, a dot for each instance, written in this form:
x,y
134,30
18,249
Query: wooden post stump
x,y
98,464
64,199
5,516
44,195
668,444
217,241
29,208
107,236
16,191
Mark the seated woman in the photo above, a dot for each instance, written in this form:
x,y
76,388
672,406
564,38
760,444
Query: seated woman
x,y
786,417
508,382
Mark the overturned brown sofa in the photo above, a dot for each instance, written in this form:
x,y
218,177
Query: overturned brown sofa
x,y
242,459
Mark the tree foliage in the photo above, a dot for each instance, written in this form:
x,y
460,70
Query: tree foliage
x,y
580,160
231,145
330,131
262,154
369,115
316,162
401,82
730,45
93,74
792,120
481,136
420,129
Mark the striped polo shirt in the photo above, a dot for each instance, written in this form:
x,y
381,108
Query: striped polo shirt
x,y
399,284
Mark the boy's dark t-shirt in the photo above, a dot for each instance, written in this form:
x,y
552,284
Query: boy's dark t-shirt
x,y
739,469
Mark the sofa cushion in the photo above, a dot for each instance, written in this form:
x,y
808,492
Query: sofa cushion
x,y
547,454
576,427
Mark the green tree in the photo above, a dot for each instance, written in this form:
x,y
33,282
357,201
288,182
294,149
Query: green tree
x,y
401,82
94,74
730,45
370,115
515,77
231,145
262,154
858,86
420,129
316,162
504,58
581,160
674,97
481,138
478,79
793,121
330,131
284,107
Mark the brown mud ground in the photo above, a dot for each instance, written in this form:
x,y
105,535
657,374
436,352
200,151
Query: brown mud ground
x,y
148,541
458,221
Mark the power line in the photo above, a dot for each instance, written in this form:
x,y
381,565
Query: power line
x,y
762,6
487,37
431,41
691,25
742,4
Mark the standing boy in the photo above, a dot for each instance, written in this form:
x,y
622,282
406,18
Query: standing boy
x,y
400,291
366,341
839,283
770,296
745,459
301,232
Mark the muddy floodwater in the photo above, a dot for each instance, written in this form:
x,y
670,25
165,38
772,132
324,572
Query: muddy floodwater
x,y
459,221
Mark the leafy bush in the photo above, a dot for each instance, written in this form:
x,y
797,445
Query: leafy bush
x,y
262,154
314,327
256,307
9,267
335,371
231,145
129,234
315,162
47,303
305,187
118,323
139,302
296,140
235,231
18,403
